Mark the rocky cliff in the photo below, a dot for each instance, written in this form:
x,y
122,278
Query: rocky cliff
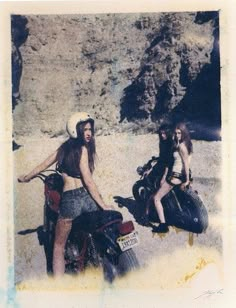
x,y
131,71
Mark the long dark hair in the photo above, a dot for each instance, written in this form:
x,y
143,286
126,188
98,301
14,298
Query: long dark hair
x,y
165,146
69,153
185,136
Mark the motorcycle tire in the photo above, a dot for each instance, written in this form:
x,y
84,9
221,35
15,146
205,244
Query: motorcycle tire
x,y
140,192
190,214
127,262
194,212
109,270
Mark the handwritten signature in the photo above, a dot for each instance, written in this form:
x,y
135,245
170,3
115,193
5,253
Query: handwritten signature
x,y
210,293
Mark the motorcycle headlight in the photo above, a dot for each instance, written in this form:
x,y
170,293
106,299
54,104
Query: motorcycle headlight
x,y
140,170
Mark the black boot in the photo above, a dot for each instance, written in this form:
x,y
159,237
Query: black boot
x,y
162,228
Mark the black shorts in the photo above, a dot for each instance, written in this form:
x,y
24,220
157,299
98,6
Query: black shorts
x,y
75,202
175,175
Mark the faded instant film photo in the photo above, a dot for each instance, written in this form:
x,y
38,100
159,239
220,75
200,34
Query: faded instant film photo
x,y
147,220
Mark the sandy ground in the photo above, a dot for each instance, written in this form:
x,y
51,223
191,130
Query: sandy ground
x,y
118,158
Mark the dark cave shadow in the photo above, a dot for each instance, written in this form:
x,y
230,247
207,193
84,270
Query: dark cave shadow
x,y
136,209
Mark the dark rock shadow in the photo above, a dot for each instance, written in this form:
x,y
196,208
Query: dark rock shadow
x,y
19,35
136,209
201,105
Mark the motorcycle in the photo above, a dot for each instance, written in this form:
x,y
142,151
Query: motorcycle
x,y
183,209
97,239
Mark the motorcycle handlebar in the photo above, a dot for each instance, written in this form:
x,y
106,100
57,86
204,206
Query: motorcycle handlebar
x,y
141,169
42,176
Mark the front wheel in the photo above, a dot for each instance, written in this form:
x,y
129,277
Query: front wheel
x,y
141,192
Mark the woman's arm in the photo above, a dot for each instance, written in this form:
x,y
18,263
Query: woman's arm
x,y
88,179
185,159
51,159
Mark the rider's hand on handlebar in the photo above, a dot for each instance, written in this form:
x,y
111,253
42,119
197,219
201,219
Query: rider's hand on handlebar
x,y
23,179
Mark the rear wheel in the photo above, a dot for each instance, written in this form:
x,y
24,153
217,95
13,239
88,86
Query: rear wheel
x,y
127,262
197,217
193,216
109,270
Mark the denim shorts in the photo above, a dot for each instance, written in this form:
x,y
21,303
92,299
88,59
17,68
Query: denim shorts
x,y
75,202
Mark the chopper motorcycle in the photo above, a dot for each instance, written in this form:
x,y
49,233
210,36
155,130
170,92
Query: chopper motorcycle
x,y
97,239
183,209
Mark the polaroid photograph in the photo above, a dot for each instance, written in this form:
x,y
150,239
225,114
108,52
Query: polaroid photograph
x,y
116,154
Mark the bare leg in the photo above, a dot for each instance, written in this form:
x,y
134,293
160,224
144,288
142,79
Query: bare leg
x,y
163,190
62,231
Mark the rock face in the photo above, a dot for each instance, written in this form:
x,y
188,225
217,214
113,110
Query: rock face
x,y
19,34
130,71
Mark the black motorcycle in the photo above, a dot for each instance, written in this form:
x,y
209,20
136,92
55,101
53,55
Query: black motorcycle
x,y
97,239
182,208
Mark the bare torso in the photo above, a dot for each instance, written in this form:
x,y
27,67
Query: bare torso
x,y
71,183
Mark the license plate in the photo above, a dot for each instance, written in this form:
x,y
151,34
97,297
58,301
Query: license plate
x,y
128,241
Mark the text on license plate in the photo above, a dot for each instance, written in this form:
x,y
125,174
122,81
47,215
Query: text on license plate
x,y
128,241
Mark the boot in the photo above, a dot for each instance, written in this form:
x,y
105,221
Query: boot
x,y
162,228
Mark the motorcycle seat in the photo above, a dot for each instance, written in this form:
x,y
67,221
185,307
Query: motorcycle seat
x,y
91,221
